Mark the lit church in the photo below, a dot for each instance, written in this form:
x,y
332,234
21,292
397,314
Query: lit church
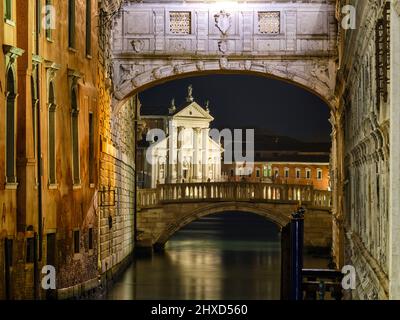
x,y
186,153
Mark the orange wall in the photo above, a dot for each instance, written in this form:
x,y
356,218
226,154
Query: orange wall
x,y
320,184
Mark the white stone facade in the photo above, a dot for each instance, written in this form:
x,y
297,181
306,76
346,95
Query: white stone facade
x,y
369,111
187,153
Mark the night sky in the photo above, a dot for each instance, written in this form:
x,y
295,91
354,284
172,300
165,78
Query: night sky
x,y
238,101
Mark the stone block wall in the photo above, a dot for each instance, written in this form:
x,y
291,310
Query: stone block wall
x,y
117,187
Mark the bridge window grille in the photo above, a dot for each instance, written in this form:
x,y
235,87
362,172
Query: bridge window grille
x,y
180,22
269,22
382,39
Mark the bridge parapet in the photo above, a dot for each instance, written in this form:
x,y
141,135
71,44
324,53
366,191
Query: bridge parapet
x,y
233,191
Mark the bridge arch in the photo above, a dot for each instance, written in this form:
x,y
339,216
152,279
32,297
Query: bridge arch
x,y
305,79
280,217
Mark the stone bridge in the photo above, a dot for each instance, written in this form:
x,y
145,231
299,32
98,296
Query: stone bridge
x,y
165,210
295,41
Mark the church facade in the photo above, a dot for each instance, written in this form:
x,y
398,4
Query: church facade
x,y
180,149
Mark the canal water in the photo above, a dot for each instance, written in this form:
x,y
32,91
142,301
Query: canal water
x,y
226,256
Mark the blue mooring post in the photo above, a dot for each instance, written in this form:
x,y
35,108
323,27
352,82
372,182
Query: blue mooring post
x,y
296,253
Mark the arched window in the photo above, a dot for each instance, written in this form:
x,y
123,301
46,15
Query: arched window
x,y
52,135
10,128
75,137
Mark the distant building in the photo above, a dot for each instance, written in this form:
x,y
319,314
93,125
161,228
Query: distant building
x,y
283,160
186,153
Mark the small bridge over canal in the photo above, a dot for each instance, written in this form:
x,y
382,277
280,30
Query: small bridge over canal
x,y
166,209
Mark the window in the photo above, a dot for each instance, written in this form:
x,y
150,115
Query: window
x,y
91,149
276,172
269,22
30,250
258,173
232,173
90,238
308,174
88,27
76,241
75,138
49,11
298,173
180,22
10,128
52,135
71,23
8,10
319,174
286,172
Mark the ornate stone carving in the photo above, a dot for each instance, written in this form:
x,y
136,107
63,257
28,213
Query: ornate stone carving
x,y
177,45
128,72
200,65
223,21
222,46
137,45
321,72
224,64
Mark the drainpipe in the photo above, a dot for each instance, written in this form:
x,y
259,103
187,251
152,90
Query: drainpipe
x,y
39,155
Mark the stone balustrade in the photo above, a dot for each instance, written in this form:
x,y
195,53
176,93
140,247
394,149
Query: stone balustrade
x,y
233,191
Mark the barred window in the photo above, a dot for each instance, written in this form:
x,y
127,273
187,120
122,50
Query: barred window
x,y
269,22
180,22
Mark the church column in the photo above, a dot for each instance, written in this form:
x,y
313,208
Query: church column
x,y
204,137
196,152
172,151
179,176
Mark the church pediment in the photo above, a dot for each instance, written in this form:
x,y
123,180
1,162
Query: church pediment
x,y
193,110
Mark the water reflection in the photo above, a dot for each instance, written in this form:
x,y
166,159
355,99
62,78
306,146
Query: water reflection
x,y
227,256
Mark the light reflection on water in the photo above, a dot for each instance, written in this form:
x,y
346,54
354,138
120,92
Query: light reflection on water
x,y
228,256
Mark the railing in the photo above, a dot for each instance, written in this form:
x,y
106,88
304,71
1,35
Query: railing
x,y
233,191
147,197
318,282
